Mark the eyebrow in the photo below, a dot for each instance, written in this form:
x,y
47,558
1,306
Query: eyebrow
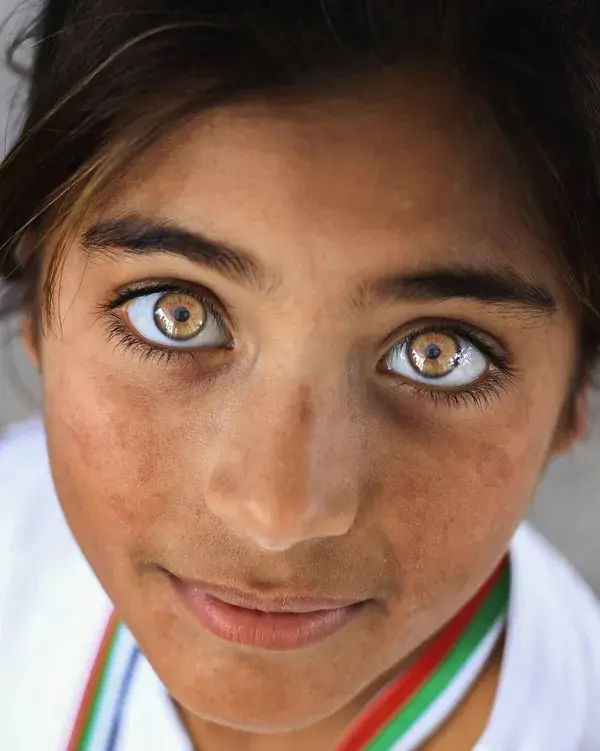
x,y
501,286
138,236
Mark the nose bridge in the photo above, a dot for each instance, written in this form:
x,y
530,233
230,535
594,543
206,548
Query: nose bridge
x,y
283,472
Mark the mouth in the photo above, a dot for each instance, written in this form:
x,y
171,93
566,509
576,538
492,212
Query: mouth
x,y
281,622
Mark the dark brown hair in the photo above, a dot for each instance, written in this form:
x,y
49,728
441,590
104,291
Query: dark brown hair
x,y
111,76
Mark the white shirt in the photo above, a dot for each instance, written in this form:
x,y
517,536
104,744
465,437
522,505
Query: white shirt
x,y
53,612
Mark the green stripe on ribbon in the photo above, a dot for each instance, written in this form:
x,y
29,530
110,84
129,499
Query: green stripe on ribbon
x,y
482,623
87,735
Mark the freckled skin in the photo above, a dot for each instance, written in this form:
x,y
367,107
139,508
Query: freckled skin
x,y
298,465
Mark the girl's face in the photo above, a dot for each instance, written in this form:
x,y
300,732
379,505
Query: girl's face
x,y
309,349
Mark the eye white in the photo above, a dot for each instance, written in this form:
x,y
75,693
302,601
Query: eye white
x,y
471,365
140,314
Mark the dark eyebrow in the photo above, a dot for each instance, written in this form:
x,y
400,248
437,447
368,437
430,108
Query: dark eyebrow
x,y
490,286
142,236
139,236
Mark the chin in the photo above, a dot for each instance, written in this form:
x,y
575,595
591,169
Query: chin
x,y
264,719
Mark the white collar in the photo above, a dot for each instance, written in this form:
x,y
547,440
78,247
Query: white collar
x,y
549,691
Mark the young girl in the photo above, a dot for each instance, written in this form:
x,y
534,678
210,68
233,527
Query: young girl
x,y
313,289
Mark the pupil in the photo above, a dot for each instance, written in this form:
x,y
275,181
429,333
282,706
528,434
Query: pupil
x,y
181,315
432,352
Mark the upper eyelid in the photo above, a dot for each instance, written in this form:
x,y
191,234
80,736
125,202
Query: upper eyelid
x,y
488,344
133,292
469,336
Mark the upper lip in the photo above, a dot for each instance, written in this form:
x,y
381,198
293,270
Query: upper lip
x,y
280,602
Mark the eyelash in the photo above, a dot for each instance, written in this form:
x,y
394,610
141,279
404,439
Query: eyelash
x,y
480,394
147,351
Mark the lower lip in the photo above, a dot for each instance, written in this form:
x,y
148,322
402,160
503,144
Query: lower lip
x,y
274,631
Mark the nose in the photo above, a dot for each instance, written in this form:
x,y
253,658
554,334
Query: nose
x,y
286,466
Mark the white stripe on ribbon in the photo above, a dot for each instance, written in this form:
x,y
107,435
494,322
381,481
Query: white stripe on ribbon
x,y
108,701
445,704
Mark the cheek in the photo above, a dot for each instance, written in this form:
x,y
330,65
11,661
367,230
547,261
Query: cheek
x,y
452,497
116,454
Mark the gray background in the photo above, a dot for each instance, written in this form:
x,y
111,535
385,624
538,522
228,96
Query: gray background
x,y
567,508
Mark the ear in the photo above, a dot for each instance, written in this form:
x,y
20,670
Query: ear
x,y
575,425
30,339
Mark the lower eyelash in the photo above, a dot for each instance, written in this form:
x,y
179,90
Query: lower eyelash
x,y
481,395
119,334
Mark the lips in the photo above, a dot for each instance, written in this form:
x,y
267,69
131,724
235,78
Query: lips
x,y
274,623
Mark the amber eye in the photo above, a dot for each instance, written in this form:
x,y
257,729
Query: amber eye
x,y
433,354
179,317
438,357
175,319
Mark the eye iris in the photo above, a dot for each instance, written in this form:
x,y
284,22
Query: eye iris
x,y
180,317
434,355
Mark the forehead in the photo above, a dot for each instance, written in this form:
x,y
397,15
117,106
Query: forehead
x,y
384,169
